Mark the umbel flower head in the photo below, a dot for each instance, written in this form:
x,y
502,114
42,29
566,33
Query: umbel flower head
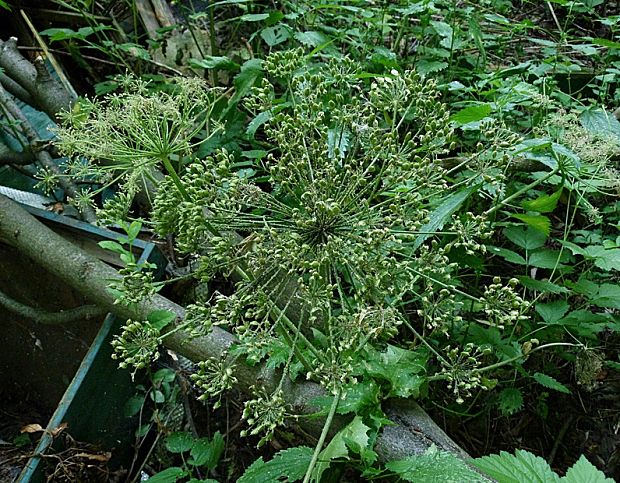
x,y
132,131
346,194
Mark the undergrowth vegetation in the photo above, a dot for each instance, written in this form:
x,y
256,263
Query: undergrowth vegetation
x,y
414,199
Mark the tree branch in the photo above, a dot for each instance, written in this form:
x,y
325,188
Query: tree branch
x,y
46,93
414,433
43,157
51,318
8,156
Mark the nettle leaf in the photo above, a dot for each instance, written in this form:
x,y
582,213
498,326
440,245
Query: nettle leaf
x,y
550,383
290,463
179,442
113,247
169,475
544,286
402,368
160,318
434,466
356,397
585,472
442,214
353,435
510,401
598,121
604,258
544,203
525,237
311,38
508,255
251,71
207,452
471,114
552,312
426,66
522,467
214,62
545,258
275,35
537,222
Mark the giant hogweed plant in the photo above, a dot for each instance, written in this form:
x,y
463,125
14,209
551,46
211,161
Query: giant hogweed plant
x,y
339,246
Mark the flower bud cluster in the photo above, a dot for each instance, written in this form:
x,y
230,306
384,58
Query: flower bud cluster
x,y
137,346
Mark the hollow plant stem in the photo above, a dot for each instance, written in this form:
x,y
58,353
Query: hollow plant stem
x,y
323,437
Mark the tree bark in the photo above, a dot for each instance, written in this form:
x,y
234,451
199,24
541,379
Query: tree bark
x,y
413,433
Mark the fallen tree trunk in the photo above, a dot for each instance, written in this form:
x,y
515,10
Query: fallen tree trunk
x,y
413,433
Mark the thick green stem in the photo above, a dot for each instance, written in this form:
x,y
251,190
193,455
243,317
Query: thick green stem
x,y
521,191
175,178
319,445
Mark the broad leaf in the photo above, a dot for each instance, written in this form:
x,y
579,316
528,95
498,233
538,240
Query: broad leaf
x,y
354,434
179,442
402,368
523,467
544,203
600,122
471,114
442,214
251,70
552,312
160,318
289,463
585,472
542,285
538,222
509,401
207,452
550,383
434,466
169,475
525,237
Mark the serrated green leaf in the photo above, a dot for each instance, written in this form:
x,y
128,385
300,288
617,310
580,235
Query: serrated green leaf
x,y
112,246
434,466
214,62
426,66
275,35
537,222
544,203
207,452
354,432
442,214
510,401
403,369
258,121
160,318
291,463
544,286
169,475
179,442
600,122
508,255
604,258
471,114
311,38
250,72
550,383
585,472
525,237
545,258
552,312
357,396
522,467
